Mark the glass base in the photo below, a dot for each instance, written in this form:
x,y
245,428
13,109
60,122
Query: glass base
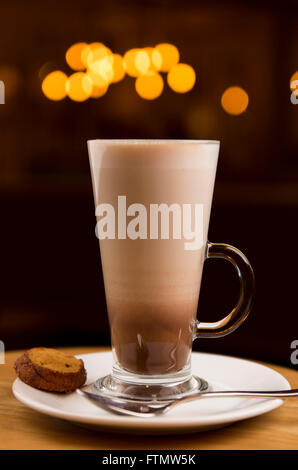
x,y
152,391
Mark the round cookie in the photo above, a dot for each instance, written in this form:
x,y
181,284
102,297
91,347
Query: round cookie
x,y
51,370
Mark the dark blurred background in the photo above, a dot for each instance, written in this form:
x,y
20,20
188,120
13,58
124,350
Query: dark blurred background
x,y
51,282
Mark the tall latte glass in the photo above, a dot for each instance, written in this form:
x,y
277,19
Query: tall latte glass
x,y
153,200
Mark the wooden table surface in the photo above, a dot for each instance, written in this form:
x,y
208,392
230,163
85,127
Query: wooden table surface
x,y
23,428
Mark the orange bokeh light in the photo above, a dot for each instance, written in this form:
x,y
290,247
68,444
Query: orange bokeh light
x,y
142,62
149,86
97,79
89,51
79,86
97,54
155,59
129,62
97,92
73,56
165,56
181,78
234,100
118,67
54,85
102,71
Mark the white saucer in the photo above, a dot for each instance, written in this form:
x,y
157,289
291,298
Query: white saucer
x,y
222,372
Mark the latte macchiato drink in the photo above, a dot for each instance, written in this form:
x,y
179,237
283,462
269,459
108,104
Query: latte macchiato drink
x,y
153,201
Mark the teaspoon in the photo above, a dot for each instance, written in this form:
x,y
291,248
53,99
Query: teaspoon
x,y
142,409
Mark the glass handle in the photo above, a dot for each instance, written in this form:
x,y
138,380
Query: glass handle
x,y
247,282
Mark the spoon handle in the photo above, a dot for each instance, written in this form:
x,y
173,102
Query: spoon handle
x,y
244,393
